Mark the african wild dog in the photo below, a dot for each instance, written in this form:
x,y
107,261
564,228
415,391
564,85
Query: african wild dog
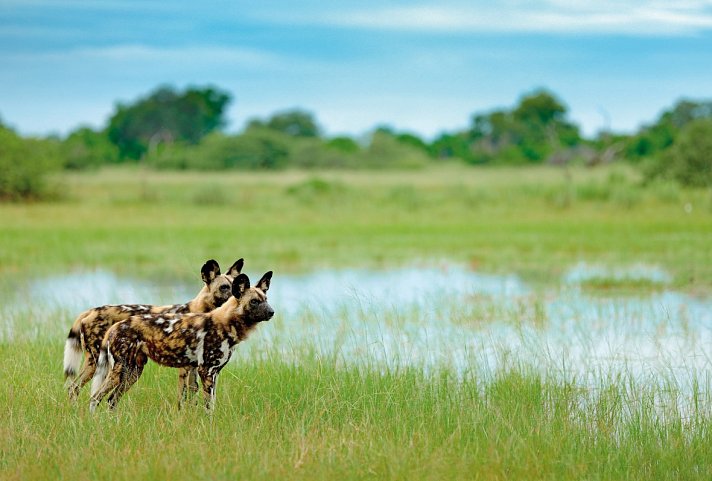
x,y
89,328
201,341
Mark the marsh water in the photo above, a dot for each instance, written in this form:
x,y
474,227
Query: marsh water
x,y
428,316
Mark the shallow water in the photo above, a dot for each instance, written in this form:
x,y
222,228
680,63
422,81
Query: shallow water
x,y
428,316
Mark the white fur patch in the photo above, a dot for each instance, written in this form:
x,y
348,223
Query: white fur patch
x,y
225,352
72,356
102,369
197,355
169,329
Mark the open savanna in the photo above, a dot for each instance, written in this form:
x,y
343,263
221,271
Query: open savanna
x,y
535,222
304,412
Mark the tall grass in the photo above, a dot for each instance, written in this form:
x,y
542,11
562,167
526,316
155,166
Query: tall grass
x,y
316,419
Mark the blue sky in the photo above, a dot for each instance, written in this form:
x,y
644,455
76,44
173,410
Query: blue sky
x,y
423,66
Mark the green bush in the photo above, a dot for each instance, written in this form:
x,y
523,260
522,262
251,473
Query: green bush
x,y
24,164
343,144
314,153
255,149
263,148
689,160
315,188
85,148
386,151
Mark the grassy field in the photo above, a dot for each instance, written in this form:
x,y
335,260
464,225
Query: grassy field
x,y
317,420
534,222
313,415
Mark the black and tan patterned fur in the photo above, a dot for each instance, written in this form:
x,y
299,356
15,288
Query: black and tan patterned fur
x,y
200,341
89,328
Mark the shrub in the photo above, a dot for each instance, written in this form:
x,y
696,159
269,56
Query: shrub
x,y
315,188
313,153
689,159
255,149
86,148
24,164
385,151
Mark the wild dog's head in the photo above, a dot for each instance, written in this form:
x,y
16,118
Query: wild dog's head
x,y
218,285
252,301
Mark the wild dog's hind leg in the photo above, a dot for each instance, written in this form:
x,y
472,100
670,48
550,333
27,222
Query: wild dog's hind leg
x,y
84,376
112,381
129,375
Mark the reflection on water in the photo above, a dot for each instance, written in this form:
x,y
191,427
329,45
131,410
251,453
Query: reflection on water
x,y
427,316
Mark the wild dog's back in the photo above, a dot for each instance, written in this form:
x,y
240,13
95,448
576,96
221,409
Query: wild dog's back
x,y
174,340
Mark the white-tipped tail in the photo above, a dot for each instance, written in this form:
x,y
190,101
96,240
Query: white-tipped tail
x,y
103,365
72,356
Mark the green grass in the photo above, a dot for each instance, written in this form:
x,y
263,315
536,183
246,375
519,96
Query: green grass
x,y
533,222
316,419
307,415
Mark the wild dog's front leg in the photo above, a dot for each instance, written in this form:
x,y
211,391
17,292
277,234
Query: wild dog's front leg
x,y
183,379
193,386
187,384
208,378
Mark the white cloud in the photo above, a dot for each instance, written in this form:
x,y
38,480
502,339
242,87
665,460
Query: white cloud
x,y
138,54
552,16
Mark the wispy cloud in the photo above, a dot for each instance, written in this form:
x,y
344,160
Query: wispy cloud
x,y
118,5
139,53
551,16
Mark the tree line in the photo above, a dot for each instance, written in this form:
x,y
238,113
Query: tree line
x,y
173,129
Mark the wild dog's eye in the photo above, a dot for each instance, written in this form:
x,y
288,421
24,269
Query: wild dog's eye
x,y
254,302
224,287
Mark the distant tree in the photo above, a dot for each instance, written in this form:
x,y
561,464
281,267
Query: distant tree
x,y
406,138
386,151
532,132
687,111
255,149
539,108
657,137
24,165
86,148
343,144
295,123
455,145
167,116
689,159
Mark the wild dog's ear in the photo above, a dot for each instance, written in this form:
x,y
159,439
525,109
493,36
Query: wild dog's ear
x,y
240,285
209,271
236,268
264,282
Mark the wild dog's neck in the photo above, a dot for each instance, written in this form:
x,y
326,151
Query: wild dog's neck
x,y
203,302
231,317
229,313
